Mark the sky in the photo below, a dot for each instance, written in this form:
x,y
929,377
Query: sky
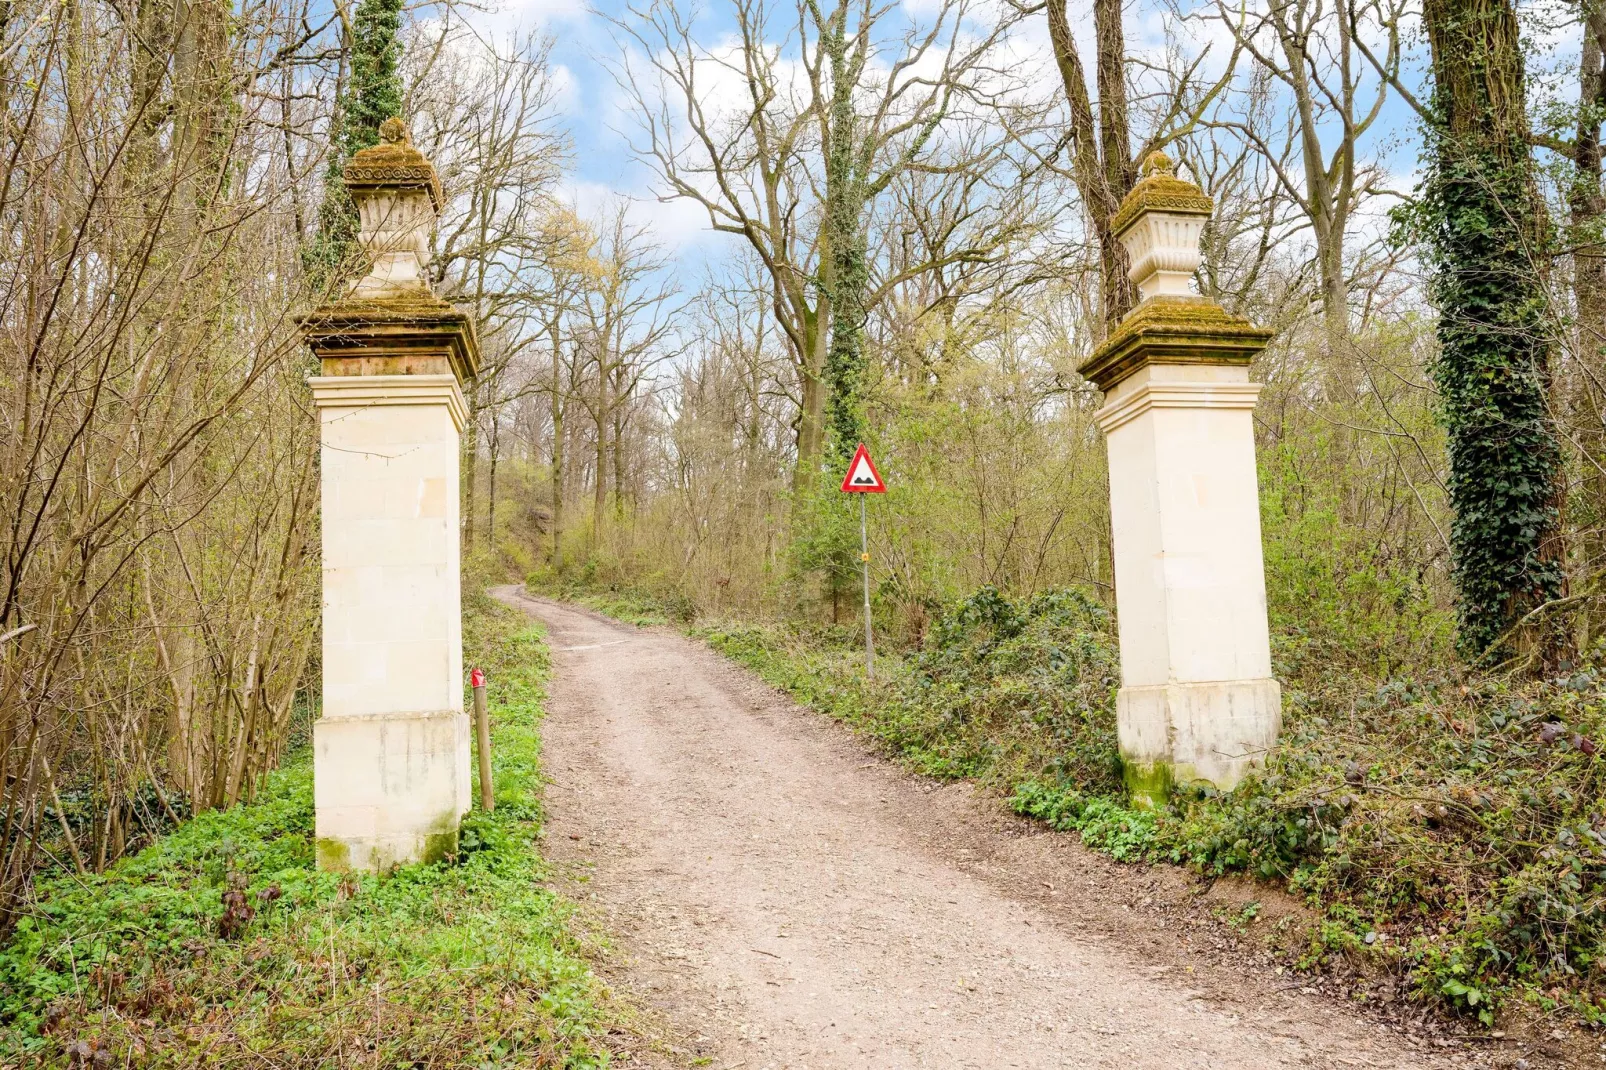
x,y
600,123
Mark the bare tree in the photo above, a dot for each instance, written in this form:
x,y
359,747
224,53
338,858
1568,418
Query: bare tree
x,y
817,123
159,454
1314,48
628,308
1103,161
483,112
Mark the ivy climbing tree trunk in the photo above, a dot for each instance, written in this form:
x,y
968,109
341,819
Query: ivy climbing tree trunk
x,y
1485,229
844,243
1586,202
373,94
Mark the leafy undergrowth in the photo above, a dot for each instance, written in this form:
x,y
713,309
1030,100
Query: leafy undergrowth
x,y
223,946
1452,829
632,605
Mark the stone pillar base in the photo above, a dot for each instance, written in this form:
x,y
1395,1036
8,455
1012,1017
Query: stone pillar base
x,y
1195,733
389,788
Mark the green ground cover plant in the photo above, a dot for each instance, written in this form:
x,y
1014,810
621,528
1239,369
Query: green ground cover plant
x,y
222,945
1451,828
631,604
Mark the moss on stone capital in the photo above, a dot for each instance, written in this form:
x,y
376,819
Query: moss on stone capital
x,y
1174,330
394,163
418,324
1160,190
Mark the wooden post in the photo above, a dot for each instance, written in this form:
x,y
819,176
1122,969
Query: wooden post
x,y
482,734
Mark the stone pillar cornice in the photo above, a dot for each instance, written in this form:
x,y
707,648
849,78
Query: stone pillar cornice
x,y
1174,330
358,337
363,391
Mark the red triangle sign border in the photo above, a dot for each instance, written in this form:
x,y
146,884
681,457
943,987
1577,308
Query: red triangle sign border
x,y
859,487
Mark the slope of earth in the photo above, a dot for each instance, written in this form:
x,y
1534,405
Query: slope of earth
x,y
784,899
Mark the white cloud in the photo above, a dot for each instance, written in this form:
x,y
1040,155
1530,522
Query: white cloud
x,y
678,225
544,12
567,95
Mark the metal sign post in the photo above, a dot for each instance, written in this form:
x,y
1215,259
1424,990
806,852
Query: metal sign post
x,y
864,556
862,479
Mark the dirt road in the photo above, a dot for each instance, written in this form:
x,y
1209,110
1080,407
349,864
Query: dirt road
x,y
785,899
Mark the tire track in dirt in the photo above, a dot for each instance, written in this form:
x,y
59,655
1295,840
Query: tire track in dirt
x,y
781,898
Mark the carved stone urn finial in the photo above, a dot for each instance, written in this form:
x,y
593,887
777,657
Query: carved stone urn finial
x,y
398,196
1160,223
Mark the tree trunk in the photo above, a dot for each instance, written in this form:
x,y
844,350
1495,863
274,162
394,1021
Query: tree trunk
x,y
1587,236
490,490
1101,182
471,467
811,392
1485,247
557,451
843,241
618,464
600,491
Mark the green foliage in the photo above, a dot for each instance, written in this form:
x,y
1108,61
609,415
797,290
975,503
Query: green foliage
x,y
1124,834
467,963
1338,594
825,543
642,606
1033,676
375,92
1003,689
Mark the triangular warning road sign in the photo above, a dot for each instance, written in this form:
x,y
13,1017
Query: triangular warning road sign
x,y
862,477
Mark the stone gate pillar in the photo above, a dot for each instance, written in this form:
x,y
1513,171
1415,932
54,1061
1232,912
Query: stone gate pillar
x,y
1198,703
391,748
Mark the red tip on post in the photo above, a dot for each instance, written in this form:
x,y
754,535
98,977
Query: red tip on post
x,y
476,678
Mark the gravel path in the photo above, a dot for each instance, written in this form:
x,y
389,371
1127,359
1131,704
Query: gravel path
x,y
779,897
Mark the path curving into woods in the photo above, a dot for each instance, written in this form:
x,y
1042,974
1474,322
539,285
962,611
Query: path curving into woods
x,y
780,897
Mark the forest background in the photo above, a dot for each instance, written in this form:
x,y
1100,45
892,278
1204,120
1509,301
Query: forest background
x,y
863,221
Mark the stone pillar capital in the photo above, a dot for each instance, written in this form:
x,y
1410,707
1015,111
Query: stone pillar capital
x,y
1160,223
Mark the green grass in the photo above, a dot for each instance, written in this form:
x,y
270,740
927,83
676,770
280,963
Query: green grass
x,y
622,602
464,963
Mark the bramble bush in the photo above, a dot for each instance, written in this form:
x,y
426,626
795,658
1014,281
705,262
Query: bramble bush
x,y
1002,689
